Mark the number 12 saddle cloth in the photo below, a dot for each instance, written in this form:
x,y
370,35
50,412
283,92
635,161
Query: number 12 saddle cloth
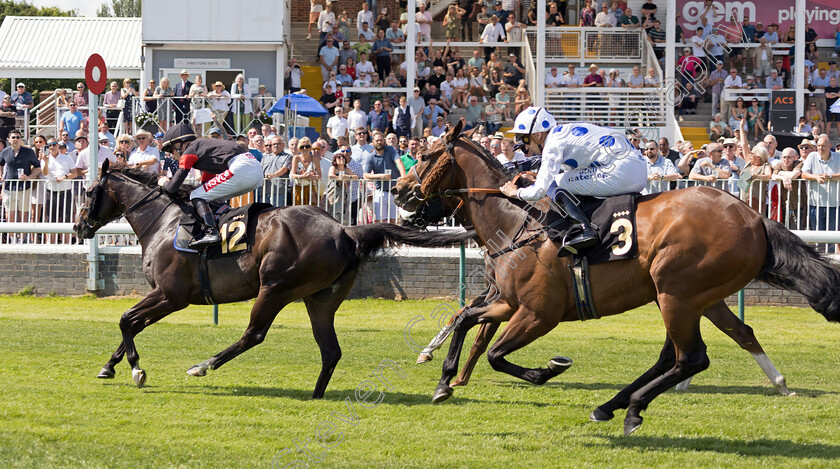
x,y
236,225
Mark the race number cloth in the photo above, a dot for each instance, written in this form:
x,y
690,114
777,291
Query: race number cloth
x,y
236,225
615,221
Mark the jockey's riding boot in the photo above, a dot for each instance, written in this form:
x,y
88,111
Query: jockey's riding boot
x,y
587,236
210,235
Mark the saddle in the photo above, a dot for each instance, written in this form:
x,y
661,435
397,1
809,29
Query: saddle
x,y
614,219
236,225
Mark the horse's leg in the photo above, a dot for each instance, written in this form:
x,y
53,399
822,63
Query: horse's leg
x,y
724,319
450,364
269,302
107,371
426,355
485,334
155,306
667,359
321,308
683,326
525,327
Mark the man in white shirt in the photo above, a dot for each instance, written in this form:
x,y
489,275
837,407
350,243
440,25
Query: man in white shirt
x,y
553,79
104,153
337,126
364,66
145,156
424,21
364,16
368,33
493,32
605,19
571,79
326,21
698,45
356,118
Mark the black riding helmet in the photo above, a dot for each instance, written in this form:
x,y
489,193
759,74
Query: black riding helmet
x,y
178,133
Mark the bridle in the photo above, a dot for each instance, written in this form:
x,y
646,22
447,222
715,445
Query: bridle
x,y
151,195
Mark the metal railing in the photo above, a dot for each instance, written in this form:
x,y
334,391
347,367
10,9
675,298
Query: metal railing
x,y
804,205
612,107
575,44
43,212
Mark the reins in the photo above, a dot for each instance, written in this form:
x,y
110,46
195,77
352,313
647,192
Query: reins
x,y
151,195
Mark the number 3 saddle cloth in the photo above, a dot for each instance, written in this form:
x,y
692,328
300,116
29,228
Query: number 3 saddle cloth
x,y
236,225
614,219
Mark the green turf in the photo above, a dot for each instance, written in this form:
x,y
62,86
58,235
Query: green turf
x,y
54,413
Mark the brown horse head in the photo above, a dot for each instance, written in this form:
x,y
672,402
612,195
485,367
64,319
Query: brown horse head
x,y
455,162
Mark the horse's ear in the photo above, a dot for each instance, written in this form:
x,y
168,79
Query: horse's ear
x,y
105,165
454,133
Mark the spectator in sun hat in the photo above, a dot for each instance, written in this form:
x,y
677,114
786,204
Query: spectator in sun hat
x,y
144,156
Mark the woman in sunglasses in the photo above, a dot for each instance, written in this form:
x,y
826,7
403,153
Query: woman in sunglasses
x,y
306,171
815,118
755,119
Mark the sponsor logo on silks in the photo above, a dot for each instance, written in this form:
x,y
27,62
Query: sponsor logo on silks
x,y
579,131
217,179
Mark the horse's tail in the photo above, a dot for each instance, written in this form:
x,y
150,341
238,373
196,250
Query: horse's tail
x,y
793,265
371,238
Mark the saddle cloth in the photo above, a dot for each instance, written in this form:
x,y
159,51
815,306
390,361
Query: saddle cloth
x,y
236,225
614,219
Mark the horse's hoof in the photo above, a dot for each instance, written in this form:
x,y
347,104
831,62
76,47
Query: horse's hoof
x,y
559,364
424,358
442,393
599,415
139,377
197,370
683,385
632,423
781,385
105,373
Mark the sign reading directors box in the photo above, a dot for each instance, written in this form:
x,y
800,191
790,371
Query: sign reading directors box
x,y
783,111
219,64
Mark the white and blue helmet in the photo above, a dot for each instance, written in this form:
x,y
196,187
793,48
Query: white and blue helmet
x,y
532,120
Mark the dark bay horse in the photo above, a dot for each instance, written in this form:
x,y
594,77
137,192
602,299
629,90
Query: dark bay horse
x,y
683,265
298,253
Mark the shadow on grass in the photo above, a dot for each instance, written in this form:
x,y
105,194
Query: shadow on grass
x,y
391,397
767,390
761,447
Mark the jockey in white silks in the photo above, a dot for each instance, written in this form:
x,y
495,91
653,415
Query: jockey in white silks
x,y
580,159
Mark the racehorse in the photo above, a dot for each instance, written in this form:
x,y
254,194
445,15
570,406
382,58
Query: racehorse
x,y
682,264
433,211
297,253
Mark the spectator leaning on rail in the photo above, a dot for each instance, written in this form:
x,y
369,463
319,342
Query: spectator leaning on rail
x,y
822,170
581,159
659,169
229,170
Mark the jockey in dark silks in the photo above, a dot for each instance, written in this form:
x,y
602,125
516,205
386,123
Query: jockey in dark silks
x,y
229,170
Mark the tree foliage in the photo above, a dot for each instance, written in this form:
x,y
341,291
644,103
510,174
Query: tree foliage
x,y
14,8
120,8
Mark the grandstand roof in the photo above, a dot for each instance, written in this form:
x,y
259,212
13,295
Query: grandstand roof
x,y
58,47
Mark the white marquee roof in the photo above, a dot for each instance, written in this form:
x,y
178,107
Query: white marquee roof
x,y
58,47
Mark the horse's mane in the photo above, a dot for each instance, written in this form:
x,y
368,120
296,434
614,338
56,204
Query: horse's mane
x,y
442,165
149,179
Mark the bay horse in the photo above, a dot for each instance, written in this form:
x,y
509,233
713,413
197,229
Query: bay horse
x,y
298,253
696,247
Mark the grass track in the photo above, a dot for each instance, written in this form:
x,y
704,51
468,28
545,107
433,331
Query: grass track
x,y
54,413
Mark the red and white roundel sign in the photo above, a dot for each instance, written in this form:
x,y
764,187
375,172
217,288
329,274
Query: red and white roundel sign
x,y
95,74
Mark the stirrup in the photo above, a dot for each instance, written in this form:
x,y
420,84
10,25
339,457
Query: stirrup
x,y
209,238
586,238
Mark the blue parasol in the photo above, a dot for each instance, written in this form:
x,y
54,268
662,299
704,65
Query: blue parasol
x,y
301,104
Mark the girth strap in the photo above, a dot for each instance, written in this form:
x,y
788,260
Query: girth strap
x,y
582,289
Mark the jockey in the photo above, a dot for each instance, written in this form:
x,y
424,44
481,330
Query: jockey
x,y
580,159
229,170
